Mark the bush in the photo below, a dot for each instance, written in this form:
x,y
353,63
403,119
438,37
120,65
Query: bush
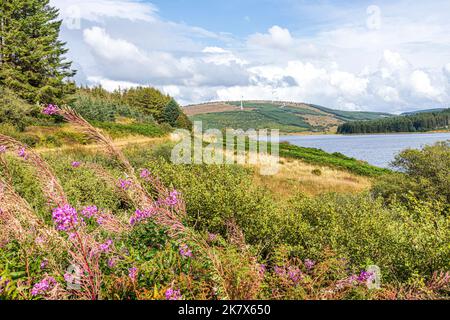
x,y
424,174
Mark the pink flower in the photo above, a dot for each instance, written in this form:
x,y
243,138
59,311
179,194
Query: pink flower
x,y
125,184
106,247
112,262
44,286
172,294
172,199
145,174
76,164
66,218
132,273
89,212
185,251
141,215
294,274
2,149
50,110
44,264
309,264
22,153
68,277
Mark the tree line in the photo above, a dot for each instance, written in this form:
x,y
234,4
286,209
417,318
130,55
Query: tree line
x,y
419,122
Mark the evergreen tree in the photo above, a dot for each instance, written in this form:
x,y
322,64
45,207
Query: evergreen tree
x,y
148,100
171,113
32,59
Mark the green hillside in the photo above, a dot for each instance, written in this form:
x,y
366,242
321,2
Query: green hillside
x,y
287,117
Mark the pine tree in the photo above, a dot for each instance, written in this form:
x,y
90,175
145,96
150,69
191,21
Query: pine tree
x,y
32,59
171,113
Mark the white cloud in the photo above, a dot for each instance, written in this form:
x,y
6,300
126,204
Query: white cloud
x,y
220,56
421,84
97,10
277,37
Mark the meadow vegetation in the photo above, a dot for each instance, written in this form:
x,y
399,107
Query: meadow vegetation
x,y
150,229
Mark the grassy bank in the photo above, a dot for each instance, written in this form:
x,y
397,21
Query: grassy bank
x,y
334,160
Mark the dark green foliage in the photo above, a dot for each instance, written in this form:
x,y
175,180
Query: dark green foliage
x,y
183,122
171,113
424,174
408,123
31,57
146,99
353,115
105,107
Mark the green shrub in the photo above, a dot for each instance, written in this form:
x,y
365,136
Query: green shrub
x,y
424,174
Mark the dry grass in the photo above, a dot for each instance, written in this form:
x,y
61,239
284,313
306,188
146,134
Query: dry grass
x,y
295,176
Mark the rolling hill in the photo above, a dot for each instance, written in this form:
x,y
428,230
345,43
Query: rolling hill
x,y
288,117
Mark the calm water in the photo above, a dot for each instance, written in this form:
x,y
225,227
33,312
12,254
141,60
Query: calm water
x,y
378,150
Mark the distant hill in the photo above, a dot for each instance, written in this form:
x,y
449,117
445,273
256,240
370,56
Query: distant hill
x,y
288,117
412,122
422,111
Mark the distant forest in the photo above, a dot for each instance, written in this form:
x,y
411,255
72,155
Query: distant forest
x,y
419,122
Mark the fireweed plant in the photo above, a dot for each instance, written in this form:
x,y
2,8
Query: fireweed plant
x,y
77,252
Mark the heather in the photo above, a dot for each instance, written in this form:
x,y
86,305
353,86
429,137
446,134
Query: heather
x,y
113,224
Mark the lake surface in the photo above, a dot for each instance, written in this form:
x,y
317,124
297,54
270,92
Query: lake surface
x,y
378,150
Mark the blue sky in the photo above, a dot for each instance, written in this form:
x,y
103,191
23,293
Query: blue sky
x,y
391,56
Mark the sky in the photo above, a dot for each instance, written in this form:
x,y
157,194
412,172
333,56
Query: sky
x,y
387,56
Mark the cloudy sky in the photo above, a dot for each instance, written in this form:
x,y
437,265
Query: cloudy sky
x,y
388,56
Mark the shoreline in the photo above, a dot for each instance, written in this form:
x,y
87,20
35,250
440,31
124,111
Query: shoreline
x,y
358,134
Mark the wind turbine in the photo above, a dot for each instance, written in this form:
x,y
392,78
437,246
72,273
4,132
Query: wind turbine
x,y
242,103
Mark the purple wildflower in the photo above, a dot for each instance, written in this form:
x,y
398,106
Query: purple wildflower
x,y
44,286
125,184
140,215
172,199
172,294
89,212
50,110
294,274
44,264
76,164
132,273
145,174
364,276
22,153
309,264
106,247
68,277
66,218
112,262
185,251
2,149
